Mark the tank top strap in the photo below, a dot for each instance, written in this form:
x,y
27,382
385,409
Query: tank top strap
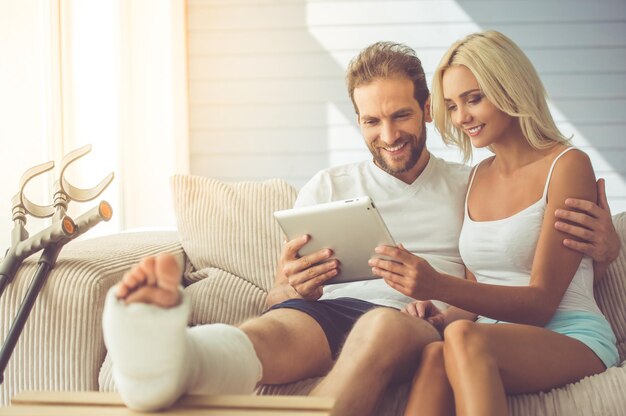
x,y
471,181
545,188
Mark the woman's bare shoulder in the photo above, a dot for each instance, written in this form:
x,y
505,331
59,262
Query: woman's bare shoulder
x,y
573,176
573,159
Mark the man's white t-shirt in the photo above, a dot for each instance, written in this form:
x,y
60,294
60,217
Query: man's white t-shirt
x,y
425,216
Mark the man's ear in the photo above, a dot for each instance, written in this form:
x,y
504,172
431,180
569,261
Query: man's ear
x,y
427,114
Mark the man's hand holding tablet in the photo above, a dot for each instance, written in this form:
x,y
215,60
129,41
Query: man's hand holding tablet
x,y
330,243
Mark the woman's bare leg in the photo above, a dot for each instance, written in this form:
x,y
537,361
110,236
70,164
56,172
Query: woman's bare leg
x,y
483,361
431,393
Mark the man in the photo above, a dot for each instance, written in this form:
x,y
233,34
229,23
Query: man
x,y
156,358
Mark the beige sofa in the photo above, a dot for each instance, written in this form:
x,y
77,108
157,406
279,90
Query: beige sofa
x,y
230,243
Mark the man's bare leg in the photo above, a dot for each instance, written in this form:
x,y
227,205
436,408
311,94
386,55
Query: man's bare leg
x,y
384,346
279,341
290,345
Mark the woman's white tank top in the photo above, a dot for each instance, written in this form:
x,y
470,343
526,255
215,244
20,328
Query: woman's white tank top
x,y
501,252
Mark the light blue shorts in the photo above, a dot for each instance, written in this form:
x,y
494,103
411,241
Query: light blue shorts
x,y
591,329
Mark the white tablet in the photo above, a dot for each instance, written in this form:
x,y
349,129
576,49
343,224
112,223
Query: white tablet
x,y
352,228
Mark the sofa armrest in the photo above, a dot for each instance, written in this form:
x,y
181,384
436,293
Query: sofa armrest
x,y
61,347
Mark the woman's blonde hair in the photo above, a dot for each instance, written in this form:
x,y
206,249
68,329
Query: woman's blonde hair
x,y
507,78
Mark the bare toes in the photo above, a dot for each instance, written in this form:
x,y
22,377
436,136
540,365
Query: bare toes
x,y
154,280
147,266
168,272
132,279
154,296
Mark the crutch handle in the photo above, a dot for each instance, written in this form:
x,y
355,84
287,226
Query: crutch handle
x,y
102,212
54,233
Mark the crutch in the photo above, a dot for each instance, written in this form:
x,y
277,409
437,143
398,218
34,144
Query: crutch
x,y
52,239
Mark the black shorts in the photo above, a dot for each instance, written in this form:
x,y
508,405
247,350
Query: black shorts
x,y
335,316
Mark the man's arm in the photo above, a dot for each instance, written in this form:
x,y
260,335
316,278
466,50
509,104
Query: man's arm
x,y
592,227
301,277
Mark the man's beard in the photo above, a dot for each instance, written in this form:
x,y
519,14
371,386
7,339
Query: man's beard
x,y
417,147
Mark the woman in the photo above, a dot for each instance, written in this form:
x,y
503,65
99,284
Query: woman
x,y
525,319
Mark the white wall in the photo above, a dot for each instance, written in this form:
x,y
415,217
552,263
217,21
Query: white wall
x,y
154,138
267,96
27,122
125,92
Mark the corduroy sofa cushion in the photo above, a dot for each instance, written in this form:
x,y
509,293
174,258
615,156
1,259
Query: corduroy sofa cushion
x,y
230,226
611,291
226,288
219,296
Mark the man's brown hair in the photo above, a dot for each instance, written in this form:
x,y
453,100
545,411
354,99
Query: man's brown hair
x,y
383,60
